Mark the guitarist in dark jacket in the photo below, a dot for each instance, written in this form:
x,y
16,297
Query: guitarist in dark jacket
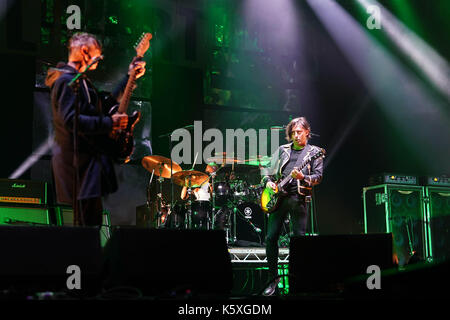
x,y
283,164
96,176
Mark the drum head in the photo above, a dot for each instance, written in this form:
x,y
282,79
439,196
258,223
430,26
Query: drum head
x,y
223,193
250,213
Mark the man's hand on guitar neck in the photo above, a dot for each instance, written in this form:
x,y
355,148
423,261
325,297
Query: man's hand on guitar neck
x,y
139,68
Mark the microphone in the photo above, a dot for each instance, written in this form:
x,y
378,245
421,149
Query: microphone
x,y
97,59
278,127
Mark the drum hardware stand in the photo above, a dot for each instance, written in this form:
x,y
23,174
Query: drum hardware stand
x,y
213,207
159,199
188,215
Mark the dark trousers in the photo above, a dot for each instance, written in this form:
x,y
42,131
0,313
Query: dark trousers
x,y
297,208
91,213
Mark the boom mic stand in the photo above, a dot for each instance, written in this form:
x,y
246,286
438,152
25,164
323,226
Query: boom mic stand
x,y
75,85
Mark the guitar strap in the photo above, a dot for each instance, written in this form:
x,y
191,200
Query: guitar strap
x,y
302,156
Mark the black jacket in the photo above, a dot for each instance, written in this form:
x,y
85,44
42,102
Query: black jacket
x,y
313,172
96,170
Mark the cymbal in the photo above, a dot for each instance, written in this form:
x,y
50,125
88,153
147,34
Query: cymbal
x,y
258,161
196,178
161,165
224,158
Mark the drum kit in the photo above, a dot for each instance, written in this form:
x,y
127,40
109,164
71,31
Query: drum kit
x,y
219,198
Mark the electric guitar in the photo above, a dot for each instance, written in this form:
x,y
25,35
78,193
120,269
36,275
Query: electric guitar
x,y
121,144
271,199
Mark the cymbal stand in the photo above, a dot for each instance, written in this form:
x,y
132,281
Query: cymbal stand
x,y
188,216
159,197
230,227
213,209
149,204
148,189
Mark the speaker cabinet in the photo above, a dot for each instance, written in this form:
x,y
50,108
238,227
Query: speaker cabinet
x,y
24,216
35,259
398,209
324,263
438,209
162,262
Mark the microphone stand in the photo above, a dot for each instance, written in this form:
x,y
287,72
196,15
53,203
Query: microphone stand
x,y
78,218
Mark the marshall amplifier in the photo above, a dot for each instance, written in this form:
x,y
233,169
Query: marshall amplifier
x,y
23,192
24,202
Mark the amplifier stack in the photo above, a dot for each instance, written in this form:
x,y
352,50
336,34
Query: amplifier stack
x,y
415,210
24,202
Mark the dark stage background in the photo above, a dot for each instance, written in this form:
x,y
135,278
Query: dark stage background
x,y
234,64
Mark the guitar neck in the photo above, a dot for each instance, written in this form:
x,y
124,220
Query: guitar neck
x,y
123,106
289,177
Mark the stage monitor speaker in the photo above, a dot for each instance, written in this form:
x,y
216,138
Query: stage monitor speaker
x,y
36,259
163,262
398,209
438,208
323,263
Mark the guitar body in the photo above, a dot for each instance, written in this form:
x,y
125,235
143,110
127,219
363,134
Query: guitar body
x,y
270,199
121,145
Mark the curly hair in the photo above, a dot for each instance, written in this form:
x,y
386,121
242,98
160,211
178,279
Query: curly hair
x,y
301,121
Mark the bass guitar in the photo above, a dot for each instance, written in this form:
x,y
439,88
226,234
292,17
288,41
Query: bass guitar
x,y
121,144
271,199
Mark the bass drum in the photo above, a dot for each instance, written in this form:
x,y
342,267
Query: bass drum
x,y
250,224
200,214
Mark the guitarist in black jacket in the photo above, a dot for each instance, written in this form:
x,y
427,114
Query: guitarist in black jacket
x,y
284,163
96,176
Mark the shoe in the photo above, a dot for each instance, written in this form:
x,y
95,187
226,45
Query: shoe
x,y
272,289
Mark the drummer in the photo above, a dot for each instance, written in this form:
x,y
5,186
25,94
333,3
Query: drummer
x,y
203,193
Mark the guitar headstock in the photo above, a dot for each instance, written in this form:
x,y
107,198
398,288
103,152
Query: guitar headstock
x,y
143,44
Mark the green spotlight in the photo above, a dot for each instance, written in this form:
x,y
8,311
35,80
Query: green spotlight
x,y
113,19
